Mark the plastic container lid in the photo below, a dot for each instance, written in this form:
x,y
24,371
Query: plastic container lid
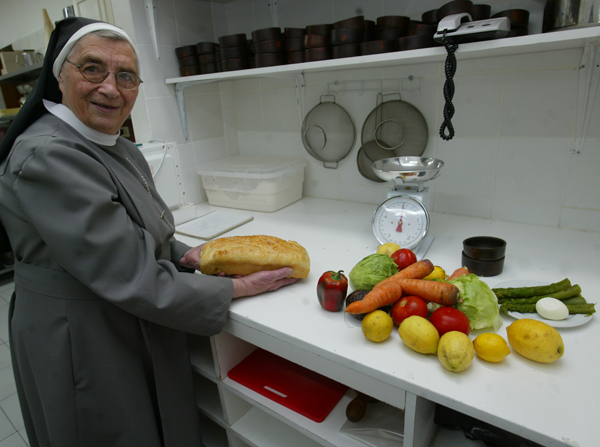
x,y
252,167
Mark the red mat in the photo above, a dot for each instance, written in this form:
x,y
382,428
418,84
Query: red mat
x,y
291,385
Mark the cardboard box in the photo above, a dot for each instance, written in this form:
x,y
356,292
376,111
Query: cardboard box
x,y
13,60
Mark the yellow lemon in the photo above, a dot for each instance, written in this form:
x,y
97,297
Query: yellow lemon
x,y
535,340
388,248
438,273
377,326
491,347
419,335
455,351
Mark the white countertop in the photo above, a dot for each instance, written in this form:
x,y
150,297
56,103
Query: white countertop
x,y
552,404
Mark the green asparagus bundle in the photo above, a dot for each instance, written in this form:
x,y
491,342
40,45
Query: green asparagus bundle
x,y
571,292
586,309
528,292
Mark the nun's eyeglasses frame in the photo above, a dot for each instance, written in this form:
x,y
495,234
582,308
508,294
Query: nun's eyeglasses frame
x,y
97,73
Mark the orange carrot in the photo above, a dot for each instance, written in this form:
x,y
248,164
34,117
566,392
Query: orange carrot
x,y
435,291
376,298
418,270
458,273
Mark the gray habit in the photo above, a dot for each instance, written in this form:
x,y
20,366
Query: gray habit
x,y
101,305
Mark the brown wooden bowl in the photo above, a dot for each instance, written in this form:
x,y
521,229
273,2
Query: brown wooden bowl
x,y
454,7
294,33
233,52
293,44
186,51
519,18
323,29
315,41
189,70
377,47
190,60
417,28
268,59
234,64
349,50
481,12
357,22
398,22
295,57
206,47
518,32
208,58
264,34
415,42
233,40
345,36
208,68
484,248
430,17
269,46
317,54
391,33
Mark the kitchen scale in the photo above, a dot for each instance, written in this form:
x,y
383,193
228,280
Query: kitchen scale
x,y
403,218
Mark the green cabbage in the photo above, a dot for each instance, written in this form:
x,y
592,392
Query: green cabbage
x,y
479,303
371,270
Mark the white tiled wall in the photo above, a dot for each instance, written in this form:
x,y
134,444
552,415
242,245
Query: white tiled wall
x,y
515,116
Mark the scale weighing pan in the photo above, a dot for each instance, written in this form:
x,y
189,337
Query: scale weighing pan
x,y
403,217
403,170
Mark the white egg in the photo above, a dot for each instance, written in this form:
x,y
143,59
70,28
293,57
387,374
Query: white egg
x,y
552,309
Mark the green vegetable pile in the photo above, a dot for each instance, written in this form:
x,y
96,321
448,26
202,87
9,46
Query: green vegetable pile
x,y
371,270
523,299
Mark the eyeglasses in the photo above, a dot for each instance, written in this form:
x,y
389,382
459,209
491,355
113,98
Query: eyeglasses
x,y
97,73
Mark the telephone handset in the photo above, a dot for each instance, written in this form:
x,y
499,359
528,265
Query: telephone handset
x,y
455,29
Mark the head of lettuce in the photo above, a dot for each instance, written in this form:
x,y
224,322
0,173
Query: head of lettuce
x,y
371,270
479,303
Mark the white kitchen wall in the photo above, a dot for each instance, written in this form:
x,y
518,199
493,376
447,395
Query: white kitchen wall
x,y
515,119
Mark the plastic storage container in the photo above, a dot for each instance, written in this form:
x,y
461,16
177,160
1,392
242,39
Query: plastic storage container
x,y
254,183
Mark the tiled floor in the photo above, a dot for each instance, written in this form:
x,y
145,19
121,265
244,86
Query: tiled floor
x,y
12,432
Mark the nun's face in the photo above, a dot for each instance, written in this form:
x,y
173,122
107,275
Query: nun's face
x,y
103,106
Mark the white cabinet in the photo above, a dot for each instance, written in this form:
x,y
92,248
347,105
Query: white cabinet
x,y
234,415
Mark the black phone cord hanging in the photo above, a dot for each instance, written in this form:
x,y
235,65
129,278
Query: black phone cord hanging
x,y
450,70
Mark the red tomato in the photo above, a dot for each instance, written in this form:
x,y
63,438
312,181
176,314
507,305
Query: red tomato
x,y
406,307
446,319
403,258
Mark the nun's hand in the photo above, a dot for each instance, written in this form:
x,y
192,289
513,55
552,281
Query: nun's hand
x,y
191,258
260,282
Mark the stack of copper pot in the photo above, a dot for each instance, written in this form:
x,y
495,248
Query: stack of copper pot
x,y
209,57
202,58
267,47
293,45
347,35
189,64
234,52
317,44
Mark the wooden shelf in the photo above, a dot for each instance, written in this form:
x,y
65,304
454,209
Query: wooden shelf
x,y
536,43
23,75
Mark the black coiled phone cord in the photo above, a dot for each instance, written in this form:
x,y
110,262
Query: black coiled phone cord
x,y
450,70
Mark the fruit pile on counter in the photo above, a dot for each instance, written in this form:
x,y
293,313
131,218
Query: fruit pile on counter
x,y
435,313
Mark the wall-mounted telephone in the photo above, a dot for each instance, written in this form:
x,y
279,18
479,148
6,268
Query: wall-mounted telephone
x,y
455,29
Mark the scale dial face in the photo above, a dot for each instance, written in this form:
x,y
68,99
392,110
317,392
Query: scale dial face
x,y
402,220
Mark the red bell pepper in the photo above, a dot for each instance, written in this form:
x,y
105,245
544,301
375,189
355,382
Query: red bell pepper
x,y
332,289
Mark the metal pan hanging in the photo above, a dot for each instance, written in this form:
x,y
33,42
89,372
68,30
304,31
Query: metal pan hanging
x,y
328,132
396,126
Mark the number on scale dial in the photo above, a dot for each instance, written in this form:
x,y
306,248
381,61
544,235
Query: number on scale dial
x,y
402,220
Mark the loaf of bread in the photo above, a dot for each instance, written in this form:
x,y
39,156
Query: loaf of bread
x,y
242,255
